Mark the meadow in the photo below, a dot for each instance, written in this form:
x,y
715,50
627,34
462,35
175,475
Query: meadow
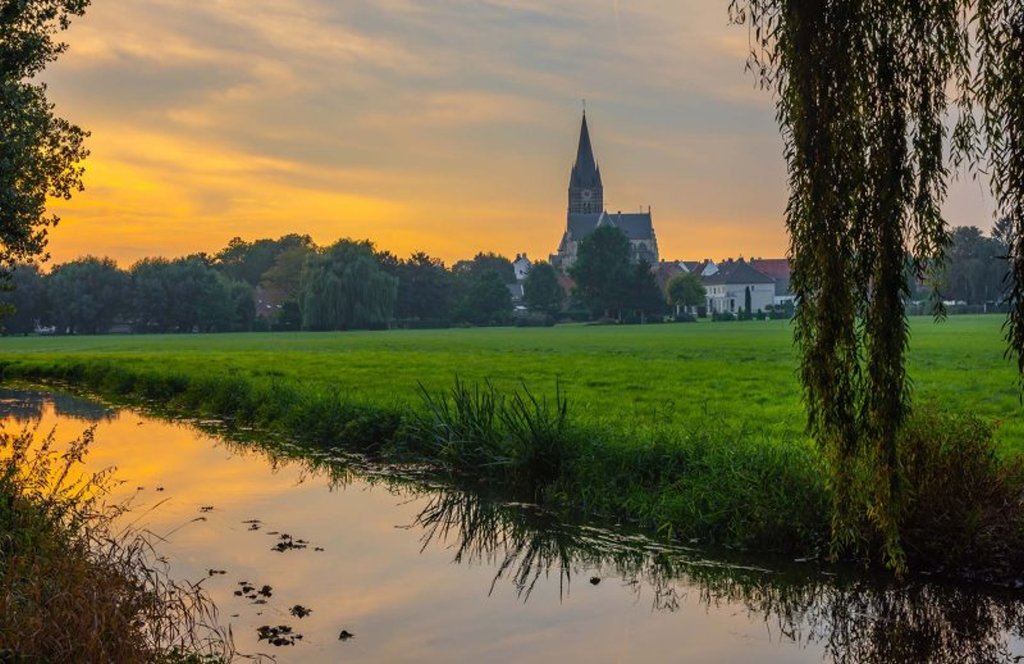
x,y
742,374
695,431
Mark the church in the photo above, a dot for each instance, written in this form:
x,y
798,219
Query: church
x,y
586,211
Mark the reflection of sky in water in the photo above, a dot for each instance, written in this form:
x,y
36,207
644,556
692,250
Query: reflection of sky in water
x,y
372,578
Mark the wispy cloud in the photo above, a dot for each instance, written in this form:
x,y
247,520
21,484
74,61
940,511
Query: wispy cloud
x,y
443,125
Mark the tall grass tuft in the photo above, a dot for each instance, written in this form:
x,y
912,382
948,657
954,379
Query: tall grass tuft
x,y
73,588
476,428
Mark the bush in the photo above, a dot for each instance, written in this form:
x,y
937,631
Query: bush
x,y
74,589
685,317
964,510
534,319
723,316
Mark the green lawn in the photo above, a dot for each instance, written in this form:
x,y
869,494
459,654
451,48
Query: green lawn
x,y
741,373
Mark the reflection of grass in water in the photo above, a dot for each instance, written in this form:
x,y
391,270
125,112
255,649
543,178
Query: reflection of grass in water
x,y
853,617
73,588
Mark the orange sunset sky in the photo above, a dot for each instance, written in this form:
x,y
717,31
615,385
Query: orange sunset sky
x,y
447,126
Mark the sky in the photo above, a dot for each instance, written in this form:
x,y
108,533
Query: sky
x,y
445,126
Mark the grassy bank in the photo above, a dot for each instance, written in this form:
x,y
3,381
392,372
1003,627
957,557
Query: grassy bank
x,y
692,430
74,589
664,375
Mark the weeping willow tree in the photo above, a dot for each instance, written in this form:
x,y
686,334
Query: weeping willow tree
x,y
862,96
344,288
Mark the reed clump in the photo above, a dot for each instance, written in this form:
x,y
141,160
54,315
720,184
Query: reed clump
x,y
74,588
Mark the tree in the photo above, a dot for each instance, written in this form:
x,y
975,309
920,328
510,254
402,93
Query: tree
x,y
249,261
483,263
644,296
39,152
87,295
26,300
424,286
541,289
602,271
285,274
685,290
345,288
152,300
975,267
861,93
186,295
487,300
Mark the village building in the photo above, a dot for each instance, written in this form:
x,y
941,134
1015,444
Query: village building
x,y
734,284
586,211
521,267
778,270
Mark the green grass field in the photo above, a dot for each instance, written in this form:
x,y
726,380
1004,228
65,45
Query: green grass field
x,y
741,373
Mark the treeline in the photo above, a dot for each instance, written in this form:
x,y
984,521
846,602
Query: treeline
x,y
290,283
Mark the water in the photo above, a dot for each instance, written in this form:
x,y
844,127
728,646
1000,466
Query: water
x,y
419,573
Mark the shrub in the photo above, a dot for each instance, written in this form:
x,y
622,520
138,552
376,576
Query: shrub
x,y
964,510
72,589
534,319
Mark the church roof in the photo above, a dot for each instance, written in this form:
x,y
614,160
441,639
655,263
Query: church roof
x,y
585,173
583,224
635,225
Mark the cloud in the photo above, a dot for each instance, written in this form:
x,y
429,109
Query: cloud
x,y
443,125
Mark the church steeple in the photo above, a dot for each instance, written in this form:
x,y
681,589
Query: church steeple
x,y
586,193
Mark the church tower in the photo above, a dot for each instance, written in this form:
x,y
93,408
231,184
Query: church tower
x,y
586,193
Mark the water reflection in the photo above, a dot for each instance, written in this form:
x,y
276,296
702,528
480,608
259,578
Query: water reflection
x,y
27,406
526,586
855,618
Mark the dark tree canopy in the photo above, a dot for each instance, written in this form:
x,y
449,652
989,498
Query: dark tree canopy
x,y
87,295
602,271
975,270
40,153
26,299
861,90
486,300
187,294
424,287
541,289
644,296
250,261
487,262
344,287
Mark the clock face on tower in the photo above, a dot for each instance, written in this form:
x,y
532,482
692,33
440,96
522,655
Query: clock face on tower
x,y
587,194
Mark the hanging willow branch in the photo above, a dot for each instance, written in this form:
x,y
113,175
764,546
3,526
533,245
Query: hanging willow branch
x,y
860,87
999,86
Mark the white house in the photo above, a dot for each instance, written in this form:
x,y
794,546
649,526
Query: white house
x,y
735,281
522,267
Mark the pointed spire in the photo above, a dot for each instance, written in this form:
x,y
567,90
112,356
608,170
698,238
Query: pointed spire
x,y
585,172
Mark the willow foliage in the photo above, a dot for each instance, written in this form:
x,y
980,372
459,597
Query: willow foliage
x,y
862,92
344,288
